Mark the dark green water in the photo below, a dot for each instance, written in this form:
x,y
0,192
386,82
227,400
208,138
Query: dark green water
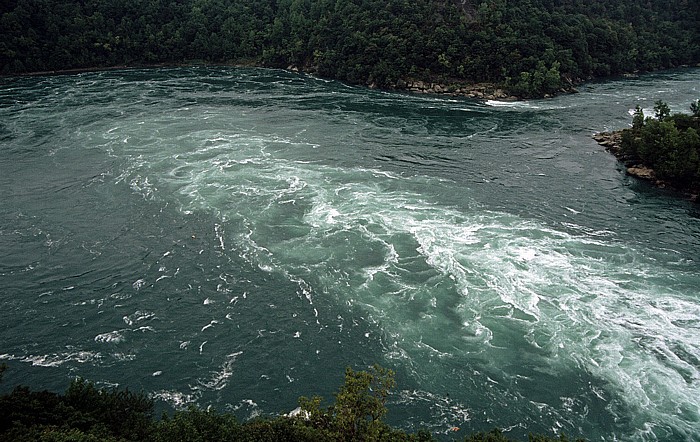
x,y
236,237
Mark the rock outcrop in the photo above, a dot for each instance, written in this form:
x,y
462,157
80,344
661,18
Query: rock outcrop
x,y
483,91
612,141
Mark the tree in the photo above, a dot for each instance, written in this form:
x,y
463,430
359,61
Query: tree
x,y
638,118
661,110
88,414
123,413
195,425
360,405
695,108
669,144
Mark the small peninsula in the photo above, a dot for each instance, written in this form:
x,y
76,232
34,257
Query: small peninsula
x,y
663,149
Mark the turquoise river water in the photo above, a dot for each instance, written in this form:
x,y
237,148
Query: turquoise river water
x,y
236,237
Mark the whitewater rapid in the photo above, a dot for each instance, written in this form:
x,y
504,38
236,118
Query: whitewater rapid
x,y
235,238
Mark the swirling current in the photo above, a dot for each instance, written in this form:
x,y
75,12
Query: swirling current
x,y
237,237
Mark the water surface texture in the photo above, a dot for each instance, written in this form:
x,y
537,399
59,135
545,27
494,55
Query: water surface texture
x,y
237,237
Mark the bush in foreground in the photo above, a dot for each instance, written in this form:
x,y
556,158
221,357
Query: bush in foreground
x,y
85,413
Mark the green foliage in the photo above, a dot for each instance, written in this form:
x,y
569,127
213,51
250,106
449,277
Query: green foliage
x,y
360,405
661,110
533,47
497,436
125,414
668,144
695,108
537,83
195,425
638,118
85,413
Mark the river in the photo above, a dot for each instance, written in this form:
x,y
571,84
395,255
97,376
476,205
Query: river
x,y
237,237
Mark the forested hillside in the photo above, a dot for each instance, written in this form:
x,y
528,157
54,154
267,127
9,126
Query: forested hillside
x,y
531,47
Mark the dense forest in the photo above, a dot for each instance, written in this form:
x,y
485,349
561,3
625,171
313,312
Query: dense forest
x,y
85,413
529,47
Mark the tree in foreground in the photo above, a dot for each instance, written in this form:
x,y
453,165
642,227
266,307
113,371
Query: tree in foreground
x,y
85,413
359,407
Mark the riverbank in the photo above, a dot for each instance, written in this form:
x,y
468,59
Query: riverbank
x,y
612,142
478,91
481,91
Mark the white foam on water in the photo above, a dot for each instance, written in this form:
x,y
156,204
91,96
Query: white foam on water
x,y
124,357
553,289
447,413
219,232
176,399
211,324
250,405
219,379
497,103
646,112
58,359
138,316
447,283
113,337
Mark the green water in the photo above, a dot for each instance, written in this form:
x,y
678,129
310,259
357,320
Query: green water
x,y
236,237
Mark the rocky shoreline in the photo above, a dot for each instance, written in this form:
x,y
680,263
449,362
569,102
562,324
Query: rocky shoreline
x,y
481,91
612,142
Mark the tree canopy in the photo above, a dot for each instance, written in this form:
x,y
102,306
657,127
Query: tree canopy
x,y
669,144
531,47
85,413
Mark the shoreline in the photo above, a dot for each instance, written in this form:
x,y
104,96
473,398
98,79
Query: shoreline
x,y
478,91
612,142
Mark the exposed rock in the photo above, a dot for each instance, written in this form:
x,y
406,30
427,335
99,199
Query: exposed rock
x,y
482,91
612,141
642,172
